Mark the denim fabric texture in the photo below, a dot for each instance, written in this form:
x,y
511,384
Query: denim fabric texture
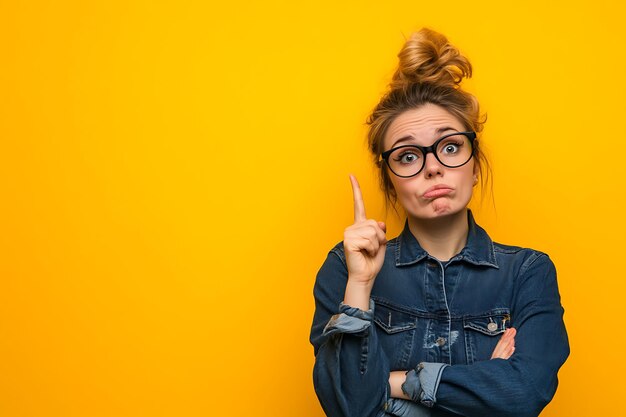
x,y
440,321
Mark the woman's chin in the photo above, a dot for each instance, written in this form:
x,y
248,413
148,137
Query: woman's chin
x,y
441,206
437,210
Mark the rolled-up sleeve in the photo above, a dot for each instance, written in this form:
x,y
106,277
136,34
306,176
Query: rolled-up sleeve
x,y
349,320
404,408
421,383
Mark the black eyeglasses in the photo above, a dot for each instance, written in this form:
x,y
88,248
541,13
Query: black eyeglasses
x,y
452,151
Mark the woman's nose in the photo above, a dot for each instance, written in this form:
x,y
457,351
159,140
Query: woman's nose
x,y
432,166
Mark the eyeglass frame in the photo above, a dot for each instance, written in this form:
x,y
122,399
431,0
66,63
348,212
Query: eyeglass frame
x,y
431,149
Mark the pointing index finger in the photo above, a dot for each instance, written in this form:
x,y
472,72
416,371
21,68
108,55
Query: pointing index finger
x,y
359,207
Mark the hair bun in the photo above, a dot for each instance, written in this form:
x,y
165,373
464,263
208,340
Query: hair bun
x,y
428,57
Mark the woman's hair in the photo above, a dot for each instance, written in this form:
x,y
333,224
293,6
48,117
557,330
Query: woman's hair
x,y
430,71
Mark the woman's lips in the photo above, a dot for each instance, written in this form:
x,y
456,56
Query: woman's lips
x,y
437,191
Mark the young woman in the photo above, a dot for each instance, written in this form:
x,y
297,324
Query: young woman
x,y
441,320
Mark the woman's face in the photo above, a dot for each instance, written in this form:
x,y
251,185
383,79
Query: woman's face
x,y
436,191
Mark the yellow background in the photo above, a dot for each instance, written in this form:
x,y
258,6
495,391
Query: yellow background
x,y
172,174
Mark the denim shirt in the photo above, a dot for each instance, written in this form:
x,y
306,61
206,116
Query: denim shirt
x,y
440,321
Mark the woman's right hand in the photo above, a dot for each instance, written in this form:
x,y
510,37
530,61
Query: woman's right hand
x,y
364,244
506,345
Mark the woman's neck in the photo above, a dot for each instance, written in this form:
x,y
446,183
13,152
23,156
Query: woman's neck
x,y
442,238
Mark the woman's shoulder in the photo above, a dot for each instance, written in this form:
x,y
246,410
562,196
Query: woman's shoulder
x,y
523,257
338,251
515,250
504,249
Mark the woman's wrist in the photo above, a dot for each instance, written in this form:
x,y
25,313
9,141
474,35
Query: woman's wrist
x,y
358,294
396,379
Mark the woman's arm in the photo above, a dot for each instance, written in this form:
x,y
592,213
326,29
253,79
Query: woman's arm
x,y
351,371
503,350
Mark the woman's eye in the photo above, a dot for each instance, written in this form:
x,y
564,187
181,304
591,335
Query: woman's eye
x,y
407,158
449,148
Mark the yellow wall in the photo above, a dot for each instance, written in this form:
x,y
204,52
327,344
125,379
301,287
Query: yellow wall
x,y
172,174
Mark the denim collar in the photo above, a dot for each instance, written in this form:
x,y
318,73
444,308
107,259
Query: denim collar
x,y
478,250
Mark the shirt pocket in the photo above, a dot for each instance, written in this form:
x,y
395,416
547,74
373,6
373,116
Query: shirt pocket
x,y
397,337
482,333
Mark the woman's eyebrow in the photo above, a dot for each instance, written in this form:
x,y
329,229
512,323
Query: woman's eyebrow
x,y
444,129
403,139
439,131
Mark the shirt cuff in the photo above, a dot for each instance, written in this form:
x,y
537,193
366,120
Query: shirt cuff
x,y
404,408
422,383
350,320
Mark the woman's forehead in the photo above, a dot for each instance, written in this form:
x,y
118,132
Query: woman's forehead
x,y
424,123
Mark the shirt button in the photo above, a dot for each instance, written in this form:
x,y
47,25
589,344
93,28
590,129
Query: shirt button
x,y
440,341
492,327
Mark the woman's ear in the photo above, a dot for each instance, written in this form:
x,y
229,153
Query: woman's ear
x,y
476,172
